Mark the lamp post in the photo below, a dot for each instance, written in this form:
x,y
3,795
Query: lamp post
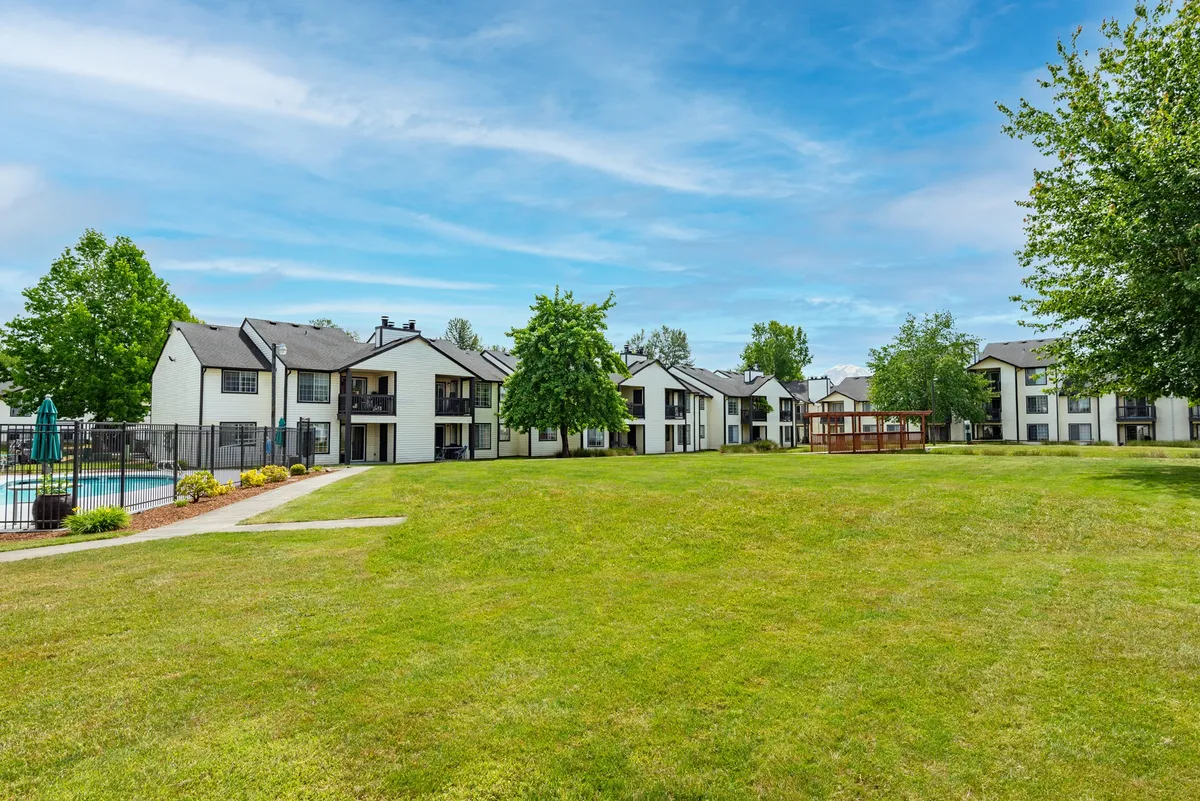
x,y
276,352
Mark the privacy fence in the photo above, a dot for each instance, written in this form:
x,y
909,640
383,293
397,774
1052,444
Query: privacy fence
x,y
137,466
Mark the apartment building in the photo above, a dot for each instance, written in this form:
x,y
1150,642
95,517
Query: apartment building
x,y
1027,404
745,407
399,397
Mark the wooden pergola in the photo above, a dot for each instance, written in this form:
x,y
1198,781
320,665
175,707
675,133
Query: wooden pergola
x,y
836,439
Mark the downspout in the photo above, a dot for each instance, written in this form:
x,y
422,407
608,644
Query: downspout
x,y
349,435
471,433
1016,402
203,370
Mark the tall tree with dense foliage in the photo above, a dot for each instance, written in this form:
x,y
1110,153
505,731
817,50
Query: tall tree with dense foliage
x,y
563,377
92,330
1113,223
925,367
325,322
460,333
777,349
669,345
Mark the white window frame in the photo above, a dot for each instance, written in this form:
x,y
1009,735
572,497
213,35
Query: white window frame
x,y
1037,404
1036,376
595,438
731,407
1031,428
478,440
243,378
1075,429
321,445
1079,405
483,395
547,435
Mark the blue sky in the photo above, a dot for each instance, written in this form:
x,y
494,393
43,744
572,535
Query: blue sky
x,y
833,165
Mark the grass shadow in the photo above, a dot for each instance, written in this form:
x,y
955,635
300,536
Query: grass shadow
x,y
1178,479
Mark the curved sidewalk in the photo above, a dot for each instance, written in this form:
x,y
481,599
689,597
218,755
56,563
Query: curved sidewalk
x,y
224,519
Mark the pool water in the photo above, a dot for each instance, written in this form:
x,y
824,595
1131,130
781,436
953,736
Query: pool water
x,y
23,490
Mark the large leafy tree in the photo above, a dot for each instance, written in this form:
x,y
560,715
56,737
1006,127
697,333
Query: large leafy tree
x,y
563,377
1113,223
777,349
669,345
92,329
460,332
925,367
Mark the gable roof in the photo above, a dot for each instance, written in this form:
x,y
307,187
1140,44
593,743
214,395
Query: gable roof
x,y
1020,353
310,347
225,346
798,389
506,359
473,361
854,387
726,385
638,367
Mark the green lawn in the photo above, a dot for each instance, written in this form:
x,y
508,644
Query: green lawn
x,y
787,625
1082,451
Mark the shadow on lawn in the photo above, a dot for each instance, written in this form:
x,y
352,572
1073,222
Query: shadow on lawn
x,y
1179,479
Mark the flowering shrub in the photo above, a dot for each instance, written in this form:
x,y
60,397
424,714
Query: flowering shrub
x,y
274,473
253,478
200,484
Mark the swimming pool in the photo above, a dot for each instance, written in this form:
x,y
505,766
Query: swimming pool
x,y
23,490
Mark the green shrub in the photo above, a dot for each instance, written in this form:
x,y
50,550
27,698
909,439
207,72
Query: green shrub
x,y
764,445
181,502
253,478
299,470
583,453
1166,443
98,520
200,484
273,473
316,468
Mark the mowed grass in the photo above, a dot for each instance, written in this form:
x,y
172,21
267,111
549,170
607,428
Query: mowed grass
x,y
1081,451
784,626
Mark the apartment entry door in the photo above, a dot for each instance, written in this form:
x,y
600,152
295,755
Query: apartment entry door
x,y
358,443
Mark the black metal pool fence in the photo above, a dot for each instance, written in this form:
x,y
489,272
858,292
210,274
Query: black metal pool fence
x,y
135,465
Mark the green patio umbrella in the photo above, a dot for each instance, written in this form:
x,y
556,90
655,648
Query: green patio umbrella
x,y
47,444
280,428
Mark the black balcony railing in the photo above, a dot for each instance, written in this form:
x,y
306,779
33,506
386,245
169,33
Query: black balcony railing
x,y
991,415
785,416
674,412
1136,411
759,415
1194,412
638,410
452,407
368,404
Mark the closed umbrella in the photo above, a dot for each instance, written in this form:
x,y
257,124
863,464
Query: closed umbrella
x,y
47,443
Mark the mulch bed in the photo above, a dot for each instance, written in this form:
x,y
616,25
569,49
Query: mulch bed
x,y
169,513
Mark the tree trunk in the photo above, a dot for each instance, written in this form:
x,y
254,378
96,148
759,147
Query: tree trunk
x,y
566,446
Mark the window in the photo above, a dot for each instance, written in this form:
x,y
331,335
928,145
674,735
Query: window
x,y
993,380
731,406
866,406
1079,406
702,404
312,388
240,381
702,431
1079,432
785,435
1037,404
836,406
320,433
870,428
483,396
595,438
547,435
237,434
481,436
1035,376
892,427
733,435
1038,432
681,434
505,433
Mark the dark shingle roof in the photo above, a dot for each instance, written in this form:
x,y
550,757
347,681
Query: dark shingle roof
x,y
312,348
223,346
1023,353
473,361
507,359
637,367
798,390
854,387
726,385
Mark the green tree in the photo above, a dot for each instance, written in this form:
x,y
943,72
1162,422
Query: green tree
x,y
637,342
778,350
92,330
460,333
325,322
1113,219
925,367
563,377
670,346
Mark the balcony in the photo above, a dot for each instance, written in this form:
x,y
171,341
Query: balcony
x,y
785,416
1194,412
1136,411
759,415
368,404
991,415
638,410
674,412
452,407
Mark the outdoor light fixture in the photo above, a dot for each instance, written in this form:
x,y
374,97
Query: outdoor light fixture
x,y
282,350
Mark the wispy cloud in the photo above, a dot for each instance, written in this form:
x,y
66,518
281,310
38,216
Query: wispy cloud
x,y
306,272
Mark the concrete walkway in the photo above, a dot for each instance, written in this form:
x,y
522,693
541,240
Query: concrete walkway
x,y
226,518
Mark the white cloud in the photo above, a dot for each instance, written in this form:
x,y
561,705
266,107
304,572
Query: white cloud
x,y
304,272
977,211
17,182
